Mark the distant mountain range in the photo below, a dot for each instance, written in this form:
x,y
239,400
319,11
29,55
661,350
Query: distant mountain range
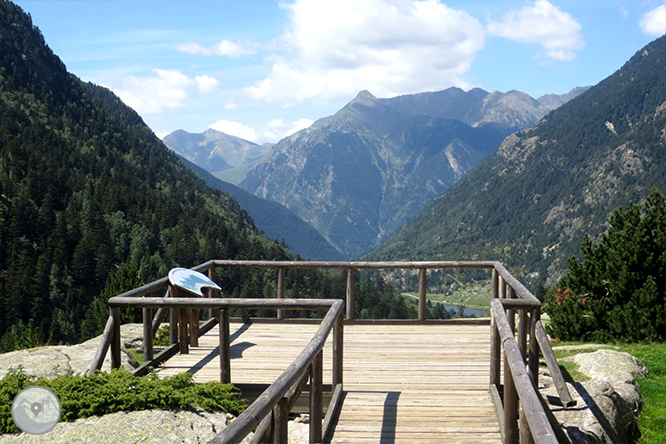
x,y
359,175
216,152
531,203
275,220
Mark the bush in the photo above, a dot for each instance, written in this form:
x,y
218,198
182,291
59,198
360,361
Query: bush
x,y
617,292
103,393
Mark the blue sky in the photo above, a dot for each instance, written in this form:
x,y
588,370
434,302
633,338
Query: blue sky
x,y
263,69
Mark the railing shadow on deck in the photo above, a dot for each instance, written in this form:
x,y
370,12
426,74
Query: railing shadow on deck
x,y
524,416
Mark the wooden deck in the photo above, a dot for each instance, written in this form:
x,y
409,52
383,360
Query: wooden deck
x,y
403,383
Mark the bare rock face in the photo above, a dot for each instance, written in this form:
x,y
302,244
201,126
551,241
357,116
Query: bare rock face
x,y
607,405
51,361
147,426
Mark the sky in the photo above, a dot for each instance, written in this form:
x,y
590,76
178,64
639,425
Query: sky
x,y
261,70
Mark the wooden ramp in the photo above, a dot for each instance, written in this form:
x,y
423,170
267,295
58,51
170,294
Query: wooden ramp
x,y
403,383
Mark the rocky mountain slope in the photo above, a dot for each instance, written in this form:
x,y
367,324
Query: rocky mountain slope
x,y
531,202
276,220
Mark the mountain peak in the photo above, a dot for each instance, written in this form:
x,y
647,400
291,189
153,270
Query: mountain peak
x,y
365,97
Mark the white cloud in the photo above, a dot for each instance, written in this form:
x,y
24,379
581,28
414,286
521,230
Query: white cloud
x,y
206,84
235,129
654,22
299,125
390,47
231,106
271,132
193,49
224,48
556,31
165,91
279,129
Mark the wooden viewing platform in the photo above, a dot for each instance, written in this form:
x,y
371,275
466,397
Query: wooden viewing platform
x,y
424,383
365,382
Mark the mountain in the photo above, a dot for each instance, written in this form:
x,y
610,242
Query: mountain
x,y
86,188
215,151
359,175
531,203
552,101
276,221
509,112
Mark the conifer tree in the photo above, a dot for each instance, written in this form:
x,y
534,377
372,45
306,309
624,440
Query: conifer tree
x,y
618,291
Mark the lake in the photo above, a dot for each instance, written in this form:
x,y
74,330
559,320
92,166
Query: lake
x,y
468,311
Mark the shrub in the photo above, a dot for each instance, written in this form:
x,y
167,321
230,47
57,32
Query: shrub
x,y
103,393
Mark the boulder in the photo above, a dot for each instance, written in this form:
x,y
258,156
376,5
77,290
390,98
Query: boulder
x,y
147,426
607,407
51,361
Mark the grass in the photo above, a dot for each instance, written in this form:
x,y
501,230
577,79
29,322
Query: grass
x,y
472,296
652,419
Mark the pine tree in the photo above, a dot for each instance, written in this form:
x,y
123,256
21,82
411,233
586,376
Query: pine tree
x,y
618,291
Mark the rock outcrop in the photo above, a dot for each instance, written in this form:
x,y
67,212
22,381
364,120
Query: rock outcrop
x,y
51,361
147,426
607,405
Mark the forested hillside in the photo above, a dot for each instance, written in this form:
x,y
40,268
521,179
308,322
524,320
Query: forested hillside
x,y
531,203
86,187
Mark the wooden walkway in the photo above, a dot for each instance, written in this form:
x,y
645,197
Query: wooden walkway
x,y
403,383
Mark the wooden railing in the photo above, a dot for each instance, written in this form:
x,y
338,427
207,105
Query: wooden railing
x,y
522,413
271,409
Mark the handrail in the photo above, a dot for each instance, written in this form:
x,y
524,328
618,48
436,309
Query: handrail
x,y
539,426
252,416
509,297
272,399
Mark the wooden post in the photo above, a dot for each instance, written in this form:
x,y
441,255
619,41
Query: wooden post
x,y
194,326
338,346
281,422
523,328
211,293
350,294
316,395
281,289
115,339
173,318
533,360
225,347
495,345
423,285
148,334
511,435
183,340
